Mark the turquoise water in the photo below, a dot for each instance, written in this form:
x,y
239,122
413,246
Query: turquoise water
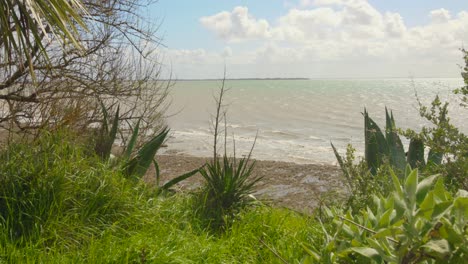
x,y
297,119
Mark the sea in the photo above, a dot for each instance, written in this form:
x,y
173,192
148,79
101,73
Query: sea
x,y
296,120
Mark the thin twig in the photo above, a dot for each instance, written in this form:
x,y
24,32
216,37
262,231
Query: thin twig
x,y
217,120
274,252
367,229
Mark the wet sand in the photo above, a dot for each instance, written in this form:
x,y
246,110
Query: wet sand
x,y
301,187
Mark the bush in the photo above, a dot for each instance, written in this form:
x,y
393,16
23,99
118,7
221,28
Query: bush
x,y
416,223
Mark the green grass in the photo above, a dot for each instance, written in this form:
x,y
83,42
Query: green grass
x,y
59,204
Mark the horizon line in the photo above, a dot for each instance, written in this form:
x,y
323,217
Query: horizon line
x,y
303,78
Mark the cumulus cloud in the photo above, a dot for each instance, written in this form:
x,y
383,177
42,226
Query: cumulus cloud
x,y
334,33
440,15
236,25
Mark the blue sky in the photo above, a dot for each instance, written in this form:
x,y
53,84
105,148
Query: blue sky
x,y
260,38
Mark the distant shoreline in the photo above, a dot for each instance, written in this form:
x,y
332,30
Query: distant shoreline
x,y
304,79
246,79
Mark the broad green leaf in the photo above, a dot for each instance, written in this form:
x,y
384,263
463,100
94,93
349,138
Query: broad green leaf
x,y
396,183
385,218
423,187
411,187
440,247
440,194
367,252
441,209
371,217
448,232
426,207
460,208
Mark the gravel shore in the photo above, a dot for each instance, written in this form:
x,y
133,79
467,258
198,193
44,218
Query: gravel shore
x,y
297,186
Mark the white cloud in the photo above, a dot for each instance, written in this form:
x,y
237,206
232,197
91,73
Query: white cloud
x,y
236,25
335,34
440,15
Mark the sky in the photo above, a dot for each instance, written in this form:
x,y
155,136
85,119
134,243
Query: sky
x,y
311,38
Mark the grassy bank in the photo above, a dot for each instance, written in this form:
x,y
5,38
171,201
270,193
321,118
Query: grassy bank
x,y
61,204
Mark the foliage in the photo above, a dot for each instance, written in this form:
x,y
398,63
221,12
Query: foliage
x,y
383,152
68,87
137,165
417,223
60,205
24,23
444,137
53,180
463,91
380,149
228,181
226,191
361,183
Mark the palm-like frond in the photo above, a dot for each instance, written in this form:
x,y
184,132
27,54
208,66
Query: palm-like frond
x,y
25,24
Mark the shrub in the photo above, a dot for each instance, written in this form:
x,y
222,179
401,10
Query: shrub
x,y
361,183
416,223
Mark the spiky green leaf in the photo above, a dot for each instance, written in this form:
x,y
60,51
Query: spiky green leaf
x,y
180,178
375,144
133,140
395,146
138,165
416,153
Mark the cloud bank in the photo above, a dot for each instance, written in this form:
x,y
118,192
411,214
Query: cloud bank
x,y
333,38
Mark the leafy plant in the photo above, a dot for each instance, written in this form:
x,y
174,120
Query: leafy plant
x,y
227,189
463,91
361,183
137,165
228,182
388,149
444,137
416,223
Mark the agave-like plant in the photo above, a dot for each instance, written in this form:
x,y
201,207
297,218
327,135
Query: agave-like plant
x,y
137,165
380,148
229,183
